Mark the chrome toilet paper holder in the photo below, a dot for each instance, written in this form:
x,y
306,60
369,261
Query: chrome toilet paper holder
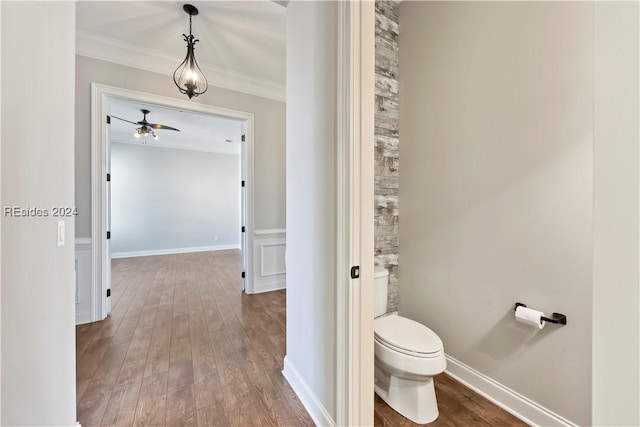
x,y
556,318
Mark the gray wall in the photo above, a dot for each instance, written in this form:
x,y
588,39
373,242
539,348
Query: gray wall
x,y
311,196
616,289
496,118
269,146
165,198
38,333
387,144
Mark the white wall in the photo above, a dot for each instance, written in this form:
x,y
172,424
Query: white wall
x,y
269,143
38,334
165,199
310,363
496,188
616,289
0,229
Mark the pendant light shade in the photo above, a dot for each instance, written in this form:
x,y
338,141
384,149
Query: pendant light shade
x,y
188,76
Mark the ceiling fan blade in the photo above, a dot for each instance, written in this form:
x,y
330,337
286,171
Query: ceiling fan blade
x,y
158,126
125,120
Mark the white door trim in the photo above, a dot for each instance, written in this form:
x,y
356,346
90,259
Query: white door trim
x,y
100,95
355,220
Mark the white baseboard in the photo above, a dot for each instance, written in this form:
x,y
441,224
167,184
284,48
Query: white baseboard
x,y
258,289
318,413
82,318
525,409
173,251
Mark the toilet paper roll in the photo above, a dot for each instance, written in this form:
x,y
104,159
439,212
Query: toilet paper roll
x,y
530,317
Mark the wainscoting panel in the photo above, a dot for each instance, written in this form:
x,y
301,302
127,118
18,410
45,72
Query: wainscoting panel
x,y
83,280
269,265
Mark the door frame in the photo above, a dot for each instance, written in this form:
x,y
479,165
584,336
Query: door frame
x,y
100,149
355,213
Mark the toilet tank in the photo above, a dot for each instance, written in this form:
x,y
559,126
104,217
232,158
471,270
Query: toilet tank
x,y
381,289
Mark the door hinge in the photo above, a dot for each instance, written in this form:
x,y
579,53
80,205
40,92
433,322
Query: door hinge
x,y
243,274
108,119
243,228
108,235
108,293
243,183
244,137
108,177
355,272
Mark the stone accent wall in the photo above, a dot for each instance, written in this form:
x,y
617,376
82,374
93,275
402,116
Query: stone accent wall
x,y
387,144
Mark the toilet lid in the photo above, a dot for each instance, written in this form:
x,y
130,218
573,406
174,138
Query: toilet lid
x,y
406,334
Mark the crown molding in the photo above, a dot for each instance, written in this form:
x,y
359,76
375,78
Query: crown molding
x,y
107,49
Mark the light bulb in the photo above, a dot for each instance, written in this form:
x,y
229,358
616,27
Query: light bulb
x,y
155,136
191,76
137,135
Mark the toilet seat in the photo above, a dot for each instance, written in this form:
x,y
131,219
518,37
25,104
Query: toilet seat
x,y
407,336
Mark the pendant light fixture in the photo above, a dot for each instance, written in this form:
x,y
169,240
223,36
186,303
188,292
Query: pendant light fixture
x,y
188,76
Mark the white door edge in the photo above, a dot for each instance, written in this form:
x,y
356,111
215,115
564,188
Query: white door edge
x,y
355,228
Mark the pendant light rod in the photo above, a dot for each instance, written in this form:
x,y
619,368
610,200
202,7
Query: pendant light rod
x,y
191,11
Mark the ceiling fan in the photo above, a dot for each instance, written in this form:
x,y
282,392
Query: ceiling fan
x,y
145,128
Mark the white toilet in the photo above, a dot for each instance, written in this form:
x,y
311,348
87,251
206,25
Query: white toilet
x,y
407,357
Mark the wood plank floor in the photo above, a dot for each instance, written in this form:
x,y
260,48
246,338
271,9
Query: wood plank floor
x,y
459,406
183,346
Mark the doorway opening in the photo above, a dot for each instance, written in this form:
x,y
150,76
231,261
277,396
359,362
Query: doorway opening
x,y
174,185
104,98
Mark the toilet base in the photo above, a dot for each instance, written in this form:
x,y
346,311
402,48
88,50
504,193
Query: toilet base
x,y
415,400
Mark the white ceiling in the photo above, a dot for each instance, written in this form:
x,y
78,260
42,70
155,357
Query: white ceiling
x,y
240,41
200,132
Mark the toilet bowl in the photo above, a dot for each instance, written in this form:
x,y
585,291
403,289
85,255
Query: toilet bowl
x,y
407,357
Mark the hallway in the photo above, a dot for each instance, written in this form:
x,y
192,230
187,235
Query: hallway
x,y
183,346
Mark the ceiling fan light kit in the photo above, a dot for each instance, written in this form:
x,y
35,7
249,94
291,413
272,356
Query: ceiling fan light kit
x,y
142,131
188,76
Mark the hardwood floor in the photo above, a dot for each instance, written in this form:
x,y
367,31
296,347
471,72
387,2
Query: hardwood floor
x,y
183,346
458,405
